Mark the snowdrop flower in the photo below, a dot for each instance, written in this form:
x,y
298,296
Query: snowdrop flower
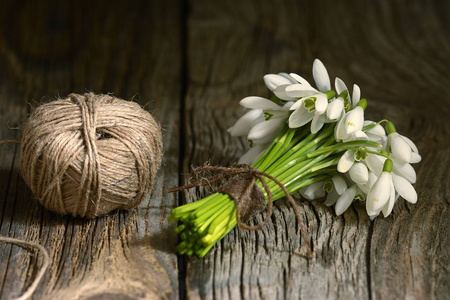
x,y
313,191
365,188
312,104
345,200
376,132
381,196
405,170
278,83
359,173
344,102
335,109
404,150
338,187
351,162
253,154
352,122
350,102
263,122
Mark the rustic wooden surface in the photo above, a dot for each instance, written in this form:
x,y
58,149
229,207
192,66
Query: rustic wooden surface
x,y
190,63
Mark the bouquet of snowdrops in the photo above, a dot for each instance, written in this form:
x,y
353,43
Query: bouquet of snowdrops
x,y
314,141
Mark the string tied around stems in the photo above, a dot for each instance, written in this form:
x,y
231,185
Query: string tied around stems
x,y
242,188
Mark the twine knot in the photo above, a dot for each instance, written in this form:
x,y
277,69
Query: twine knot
x,y
242,188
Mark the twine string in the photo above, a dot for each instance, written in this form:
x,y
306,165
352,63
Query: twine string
x,y
45,256
251,174
45,263
9,142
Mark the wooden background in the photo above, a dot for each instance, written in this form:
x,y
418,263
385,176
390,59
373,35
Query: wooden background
x,y
190,63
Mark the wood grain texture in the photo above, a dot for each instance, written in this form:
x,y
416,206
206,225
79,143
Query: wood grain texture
x,y
395,53
54,48
190,63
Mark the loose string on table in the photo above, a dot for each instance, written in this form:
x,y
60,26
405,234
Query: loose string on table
x,y
251,174
45,260
45,263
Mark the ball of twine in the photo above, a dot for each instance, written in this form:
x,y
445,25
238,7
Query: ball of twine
x,y
87,155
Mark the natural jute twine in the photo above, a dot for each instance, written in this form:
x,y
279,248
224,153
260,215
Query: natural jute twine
x,y
247,195
89,154
44,265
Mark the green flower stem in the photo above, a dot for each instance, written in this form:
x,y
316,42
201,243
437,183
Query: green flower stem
x,y
220,221
206,224
297,161
279,147
294,187
203,251
303,171
309,143
263,157
180,210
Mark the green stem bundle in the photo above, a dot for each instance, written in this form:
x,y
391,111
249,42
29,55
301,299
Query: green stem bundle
x,y
297,158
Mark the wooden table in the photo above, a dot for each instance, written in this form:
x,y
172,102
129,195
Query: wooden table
x,y
190,64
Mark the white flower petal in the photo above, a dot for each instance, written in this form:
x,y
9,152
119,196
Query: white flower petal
x,y
300,117
404,170
374,163
312,188
266,129
331,198
272,81
280,92
335,108
252,155
345,200
300,79
379,194
339,132
321,104
378,129
346,161
356,94
339,85
404,188
400,148
359,173
372,217
339,184
288,77
300,90
288,104
354,120
415,158
320,75
357,136
297,104
365,188
410,143
374,137
313,191
319,194
317,123
244,124
256,102
387,209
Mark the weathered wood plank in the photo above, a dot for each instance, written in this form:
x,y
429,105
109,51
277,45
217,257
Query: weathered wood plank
x,y
54,48
384,47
